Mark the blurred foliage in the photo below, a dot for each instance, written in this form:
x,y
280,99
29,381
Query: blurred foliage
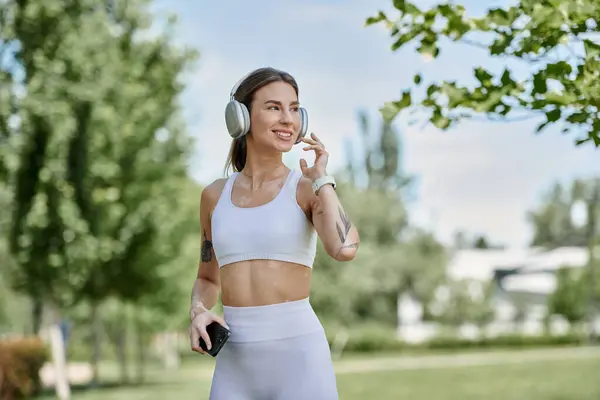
x,y
394,258
465,301
553,219
556,39
377,339
20,363
93,158
94,151
571,297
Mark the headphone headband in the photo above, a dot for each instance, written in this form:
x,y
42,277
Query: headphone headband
x,y
238,83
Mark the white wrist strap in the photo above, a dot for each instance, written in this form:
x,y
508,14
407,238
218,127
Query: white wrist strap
x,y
322,181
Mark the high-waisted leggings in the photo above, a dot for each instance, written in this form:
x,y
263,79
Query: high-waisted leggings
x,y
275,352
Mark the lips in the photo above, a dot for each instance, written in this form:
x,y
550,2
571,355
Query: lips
x,y
283,134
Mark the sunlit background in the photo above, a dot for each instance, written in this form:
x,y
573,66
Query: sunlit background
x,y
475,256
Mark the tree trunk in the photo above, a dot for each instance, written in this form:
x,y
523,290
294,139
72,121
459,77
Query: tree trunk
x,y
96,325
36,314
59,362
121,346
141,350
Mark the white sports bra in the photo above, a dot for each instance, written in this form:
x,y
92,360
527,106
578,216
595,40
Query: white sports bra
x,y
278,230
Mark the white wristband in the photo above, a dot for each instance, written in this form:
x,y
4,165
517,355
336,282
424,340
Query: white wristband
x,y
322,181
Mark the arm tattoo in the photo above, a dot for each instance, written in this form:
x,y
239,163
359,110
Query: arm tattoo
x,y
206,254
344,228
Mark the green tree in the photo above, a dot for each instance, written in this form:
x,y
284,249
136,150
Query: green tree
x,y
380,161
552,220
481,243
393,257
557,38
94,151
47,51
98,145
570,297
467,301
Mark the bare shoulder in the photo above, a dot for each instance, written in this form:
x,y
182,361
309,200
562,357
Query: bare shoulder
x,y
307,200
211,193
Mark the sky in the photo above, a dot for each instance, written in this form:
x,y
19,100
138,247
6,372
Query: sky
x,y
480,178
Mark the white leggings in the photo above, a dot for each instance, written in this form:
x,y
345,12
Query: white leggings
x,y
275,352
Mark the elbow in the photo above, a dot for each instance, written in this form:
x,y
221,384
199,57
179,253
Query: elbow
x,y
345,253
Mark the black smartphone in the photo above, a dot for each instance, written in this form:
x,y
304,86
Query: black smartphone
x,y
218,335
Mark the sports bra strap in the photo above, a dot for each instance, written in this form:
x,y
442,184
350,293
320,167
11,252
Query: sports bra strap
x,y
229,183
292,183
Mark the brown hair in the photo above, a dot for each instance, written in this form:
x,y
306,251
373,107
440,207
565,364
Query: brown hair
x,y
245,94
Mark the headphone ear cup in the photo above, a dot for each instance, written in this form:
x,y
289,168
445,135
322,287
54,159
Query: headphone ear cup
x,y
237,119
303,124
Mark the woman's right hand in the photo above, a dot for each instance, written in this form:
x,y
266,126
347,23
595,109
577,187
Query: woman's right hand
x,y
198,329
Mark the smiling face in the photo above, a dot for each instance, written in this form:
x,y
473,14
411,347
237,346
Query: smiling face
x,y
275,117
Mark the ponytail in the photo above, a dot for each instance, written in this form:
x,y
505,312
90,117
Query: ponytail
x,y
237,155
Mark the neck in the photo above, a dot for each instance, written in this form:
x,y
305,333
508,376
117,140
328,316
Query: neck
x,y
262,166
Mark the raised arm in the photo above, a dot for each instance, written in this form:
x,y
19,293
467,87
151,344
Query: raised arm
x,y
339,236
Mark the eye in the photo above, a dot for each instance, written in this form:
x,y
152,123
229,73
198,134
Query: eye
x,y
273,108
295,109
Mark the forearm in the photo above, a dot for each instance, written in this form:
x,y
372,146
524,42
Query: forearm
x,y
339,236
204,295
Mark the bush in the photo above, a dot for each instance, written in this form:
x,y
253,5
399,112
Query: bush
x,y
20,363
374,339
505,342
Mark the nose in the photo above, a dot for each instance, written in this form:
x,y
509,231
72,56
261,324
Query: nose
x,y
286,117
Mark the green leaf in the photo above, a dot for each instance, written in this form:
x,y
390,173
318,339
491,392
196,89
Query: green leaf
x,y
535,33
484,77
578,117
558,69
592,49
403,39
553,115
542,126
391,109
405,101
429,47
376,19
439,121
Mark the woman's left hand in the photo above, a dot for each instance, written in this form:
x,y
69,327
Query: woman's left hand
x,y
322,156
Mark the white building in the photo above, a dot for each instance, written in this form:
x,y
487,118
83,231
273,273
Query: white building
x,y
524,279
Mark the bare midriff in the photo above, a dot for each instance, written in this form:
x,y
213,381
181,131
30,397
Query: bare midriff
x,y
263,282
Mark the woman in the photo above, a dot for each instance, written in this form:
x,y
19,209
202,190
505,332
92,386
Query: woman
x,y
260,230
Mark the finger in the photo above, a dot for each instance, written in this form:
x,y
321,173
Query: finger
x,y
319,150
303,165
309,141
220,321
315,137
206,338
195,341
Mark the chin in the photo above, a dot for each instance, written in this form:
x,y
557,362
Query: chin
x,y
284,147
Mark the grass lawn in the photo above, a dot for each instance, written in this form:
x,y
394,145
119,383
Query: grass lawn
x,y
509,376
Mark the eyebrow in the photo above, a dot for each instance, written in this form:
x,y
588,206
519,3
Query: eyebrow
x,y
293,103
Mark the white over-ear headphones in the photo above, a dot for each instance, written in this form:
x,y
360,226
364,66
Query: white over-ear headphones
x,y
237,116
